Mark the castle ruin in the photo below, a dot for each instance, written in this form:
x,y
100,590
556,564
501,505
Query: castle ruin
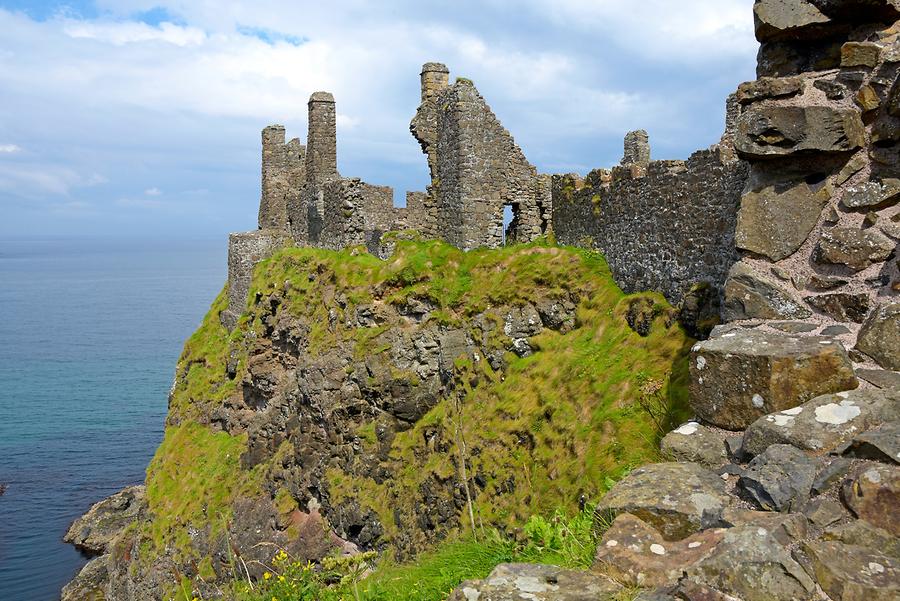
x,y
791,216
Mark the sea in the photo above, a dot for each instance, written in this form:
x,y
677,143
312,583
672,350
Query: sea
x,y
90,331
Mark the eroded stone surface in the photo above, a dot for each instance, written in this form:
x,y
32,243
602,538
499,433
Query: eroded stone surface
x,y
753,565
881,445
772,131
523,581
677,499
744,374
880,336
852,573
634,553
854,248
825,422
750,295
775,220
693,442
874,496
779,479
95,530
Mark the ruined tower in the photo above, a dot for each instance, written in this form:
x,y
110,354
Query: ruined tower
x,y
283,173
321,159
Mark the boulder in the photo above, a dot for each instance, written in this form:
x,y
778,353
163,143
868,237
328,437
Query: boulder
x,y
94,531
786,528
821,283
879,337
768,87
842,306
830,474
775,221
863,534
855,248
752,565
749,295
90,583
779,479
853,573
776,131
677,499
881,378
823,512
881,445
874,496
860,54
825,422
788,20
873,194
634,553
518,581
695,443
745,374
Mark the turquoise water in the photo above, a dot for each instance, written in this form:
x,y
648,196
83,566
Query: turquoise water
x,y
90,331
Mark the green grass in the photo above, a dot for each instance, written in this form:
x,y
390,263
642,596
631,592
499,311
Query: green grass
x,y
568,541
194,478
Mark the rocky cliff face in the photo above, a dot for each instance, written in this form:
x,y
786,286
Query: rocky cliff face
x,y
362,404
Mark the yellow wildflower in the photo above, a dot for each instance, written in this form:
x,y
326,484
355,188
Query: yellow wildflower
x,y
267,575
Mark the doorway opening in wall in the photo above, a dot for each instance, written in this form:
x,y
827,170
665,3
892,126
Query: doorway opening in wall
x,y
510,223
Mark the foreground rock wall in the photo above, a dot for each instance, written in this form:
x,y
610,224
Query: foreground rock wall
x,y
819,223
662,225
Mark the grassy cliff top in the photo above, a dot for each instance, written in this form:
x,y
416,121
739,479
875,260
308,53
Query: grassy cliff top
x,y
542,434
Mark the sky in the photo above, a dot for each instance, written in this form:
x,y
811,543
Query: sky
x,y
142,118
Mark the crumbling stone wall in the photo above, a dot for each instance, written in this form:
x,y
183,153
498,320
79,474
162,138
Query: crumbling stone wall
x,y
477,169
662,225
356,213
283,173
245,250
819,222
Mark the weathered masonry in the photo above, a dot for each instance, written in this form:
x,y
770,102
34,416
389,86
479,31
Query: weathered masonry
x,y
792,216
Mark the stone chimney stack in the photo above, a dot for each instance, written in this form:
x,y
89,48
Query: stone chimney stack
x,y
321,142
435,77
637,148
272,209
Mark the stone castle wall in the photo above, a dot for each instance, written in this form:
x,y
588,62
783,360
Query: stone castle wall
x,y
477,169
356,213
662,225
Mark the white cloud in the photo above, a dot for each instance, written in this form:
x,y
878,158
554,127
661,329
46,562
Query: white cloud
x,y
178,105
119,34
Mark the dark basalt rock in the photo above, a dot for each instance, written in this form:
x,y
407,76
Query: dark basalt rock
x,y
851,573
779,479
854,248
842,306
744,375
677,499
879,337
825,422
777,131
749,295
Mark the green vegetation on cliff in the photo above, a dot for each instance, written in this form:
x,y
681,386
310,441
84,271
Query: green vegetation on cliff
x,y
518,437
